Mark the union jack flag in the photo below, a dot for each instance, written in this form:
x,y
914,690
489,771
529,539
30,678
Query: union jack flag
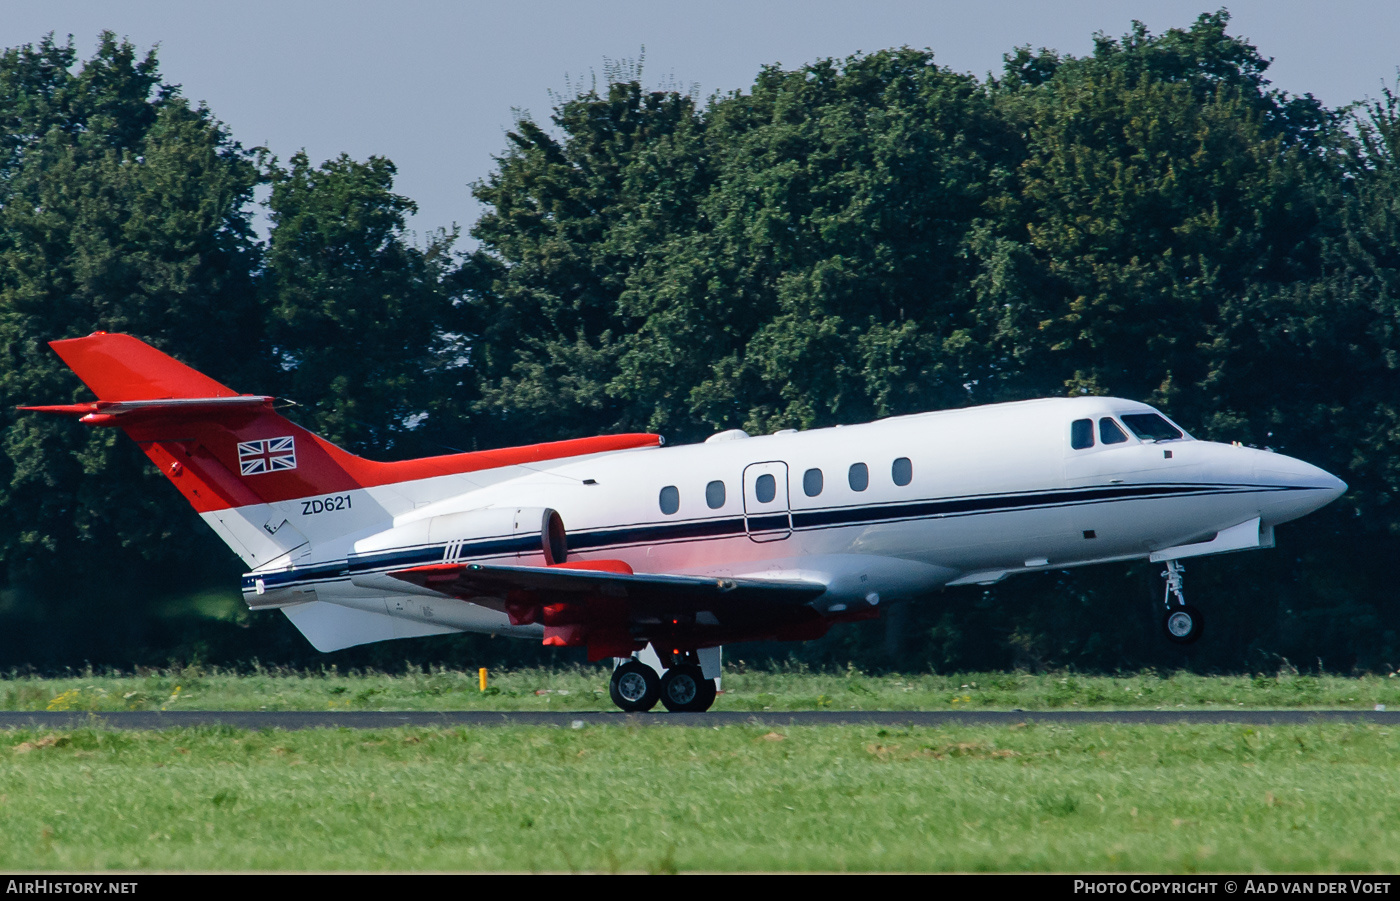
x,y
272,455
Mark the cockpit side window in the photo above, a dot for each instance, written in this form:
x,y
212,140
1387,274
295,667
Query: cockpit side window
x,y
1081,434
1110,433
1151,427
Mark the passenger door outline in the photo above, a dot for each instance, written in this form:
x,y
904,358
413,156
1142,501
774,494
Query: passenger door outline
x,y
770,521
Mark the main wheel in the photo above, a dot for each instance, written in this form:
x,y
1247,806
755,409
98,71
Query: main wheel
x,y
634,687
684,689
1183,624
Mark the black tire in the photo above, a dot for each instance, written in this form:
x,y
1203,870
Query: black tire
x,y
684,689
634,687
1183,625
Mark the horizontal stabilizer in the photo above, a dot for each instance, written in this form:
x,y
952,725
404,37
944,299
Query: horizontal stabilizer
x,y
131,412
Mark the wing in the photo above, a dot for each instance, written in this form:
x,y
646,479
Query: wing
x,y
604,605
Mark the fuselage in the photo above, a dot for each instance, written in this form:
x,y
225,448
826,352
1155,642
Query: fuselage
x,y
886,510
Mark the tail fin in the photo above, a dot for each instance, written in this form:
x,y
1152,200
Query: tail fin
x,y
222,449
120,367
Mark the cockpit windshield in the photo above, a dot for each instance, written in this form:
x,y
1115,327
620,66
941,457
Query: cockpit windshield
x,y
1151,426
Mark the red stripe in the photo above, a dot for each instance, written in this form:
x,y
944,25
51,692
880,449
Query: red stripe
x,y
196,445
209,477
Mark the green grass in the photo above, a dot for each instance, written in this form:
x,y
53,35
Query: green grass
x,y
604,798
585,688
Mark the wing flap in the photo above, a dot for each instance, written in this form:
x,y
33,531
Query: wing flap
x,y
604,605
606,578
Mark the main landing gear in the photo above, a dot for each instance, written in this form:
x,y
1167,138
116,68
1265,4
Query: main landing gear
x,y
683,689
634,687
1182,622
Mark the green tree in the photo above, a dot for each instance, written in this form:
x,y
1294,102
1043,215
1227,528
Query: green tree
x,y
1161,178
356,313
123,209
789,256
824,279
568,219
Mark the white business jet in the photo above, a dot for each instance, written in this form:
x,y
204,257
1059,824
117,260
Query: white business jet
x,y
656,556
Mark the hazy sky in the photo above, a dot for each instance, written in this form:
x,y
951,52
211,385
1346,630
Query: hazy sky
x,y
432,84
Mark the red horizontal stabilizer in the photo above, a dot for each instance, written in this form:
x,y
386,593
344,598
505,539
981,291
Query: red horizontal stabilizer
x,y
132,412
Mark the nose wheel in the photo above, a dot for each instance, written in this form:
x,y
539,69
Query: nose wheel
x,y
1182,622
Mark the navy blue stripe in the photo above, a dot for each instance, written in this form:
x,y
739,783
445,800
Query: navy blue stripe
x,y
994,504
654,533
318,573
358,563
876,513
437,553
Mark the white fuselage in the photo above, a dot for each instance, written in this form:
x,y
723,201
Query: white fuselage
x,y
986,492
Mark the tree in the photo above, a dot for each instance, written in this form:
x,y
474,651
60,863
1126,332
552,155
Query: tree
x,y
784,257
567,222
356,313
121,208
824,279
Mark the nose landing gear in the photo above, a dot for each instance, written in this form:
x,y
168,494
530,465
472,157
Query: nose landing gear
x,y
1182,623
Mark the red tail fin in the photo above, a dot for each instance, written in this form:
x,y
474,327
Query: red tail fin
x,y
223,449
120,367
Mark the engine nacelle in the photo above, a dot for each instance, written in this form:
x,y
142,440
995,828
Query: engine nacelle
x,y
495,531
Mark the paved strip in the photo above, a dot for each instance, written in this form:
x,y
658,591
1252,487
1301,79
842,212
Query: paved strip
x,y
369,719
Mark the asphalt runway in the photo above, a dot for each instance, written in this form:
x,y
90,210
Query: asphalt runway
x,y
365,719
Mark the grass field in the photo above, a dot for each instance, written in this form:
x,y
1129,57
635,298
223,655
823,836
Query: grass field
x,y
745,690
1030,797
609,798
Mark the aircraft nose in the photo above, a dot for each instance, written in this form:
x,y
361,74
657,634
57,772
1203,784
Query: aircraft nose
x,y
1298,474
1309,487
1334,486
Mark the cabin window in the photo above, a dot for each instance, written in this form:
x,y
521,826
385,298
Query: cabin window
x,y
859,477
670,499
812,482
1081,434
714,494
1151,427
1110,433
765,489
902,471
